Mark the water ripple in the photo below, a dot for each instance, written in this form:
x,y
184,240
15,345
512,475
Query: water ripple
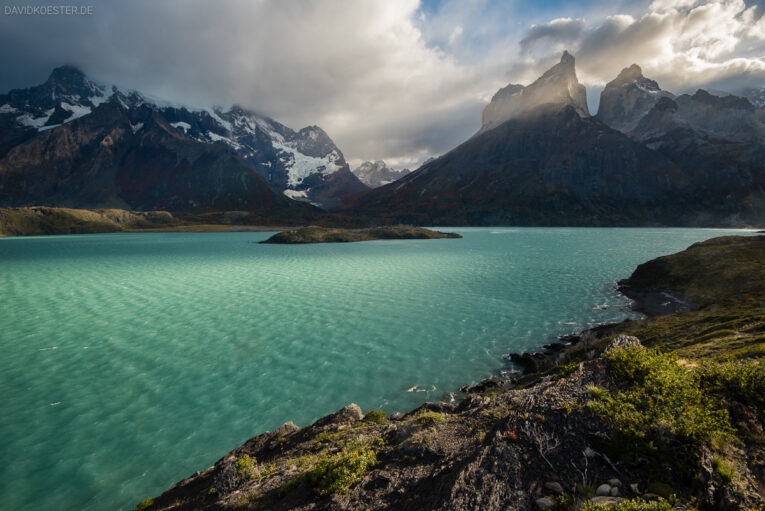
x,y
132,360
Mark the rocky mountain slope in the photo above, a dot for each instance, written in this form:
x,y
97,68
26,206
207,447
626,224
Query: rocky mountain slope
x,y
239,148
627,98
608,422
755,95
541,159
718,142
375,174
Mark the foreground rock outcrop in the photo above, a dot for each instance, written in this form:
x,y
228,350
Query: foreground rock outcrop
x,y
612,423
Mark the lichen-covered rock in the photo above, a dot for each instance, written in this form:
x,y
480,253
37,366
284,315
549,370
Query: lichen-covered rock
x,y
624,341
350,413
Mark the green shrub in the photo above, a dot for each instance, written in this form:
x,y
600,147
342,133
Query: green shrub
x,y
426,415
630,505
338,472
596,392
743,381
562,502
145,504
567,370
246,467
375,416
725,471
660,412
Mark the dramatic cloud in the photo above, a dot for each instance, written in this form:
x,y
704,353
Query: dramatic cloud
x,y
683,44
560,31
398,80
359,69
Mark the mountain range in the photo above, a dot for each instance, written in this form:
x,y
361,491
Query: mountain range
x,y
375,174
648,157
74,142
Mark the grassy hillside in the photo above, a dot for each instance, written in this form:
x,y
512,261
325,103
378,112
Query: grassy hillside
x,y
43,220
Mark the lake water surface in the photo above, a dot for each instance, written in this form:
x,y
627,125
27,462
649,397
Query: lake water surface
x,y
131,360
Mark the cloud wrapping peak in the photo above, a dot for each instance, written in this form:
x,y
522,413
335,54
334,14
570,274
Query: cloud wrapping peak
x,y
561,31
361,70
683,44
398,80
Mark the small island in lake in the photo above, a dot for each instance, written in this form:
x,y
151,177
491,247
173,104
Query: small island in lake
x,y
315,234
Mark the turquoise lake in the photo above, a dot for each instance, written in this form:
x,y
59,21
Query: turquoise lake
x,y
131,360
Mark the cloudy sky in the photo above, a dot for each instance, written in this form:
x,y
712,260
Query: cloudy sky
x,y
399,80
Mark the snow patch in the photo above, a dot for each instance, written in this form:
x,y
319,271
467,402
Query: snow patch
x,y
221,120
299,166
135,127
77,111
295,194
181,125
34,122
97,100
124,105
217,138
7,109
46,128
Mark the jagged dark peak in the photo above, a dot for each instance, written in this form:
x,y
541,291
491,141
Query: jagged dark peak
x,y
71,81
633,75
628,97
238,109
67,73
313,132
126,99
314,141
565,68
730,101
629,74
377,173
558,85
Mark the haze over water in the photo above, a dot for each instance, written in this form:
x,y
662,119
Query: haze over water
x,y
131,360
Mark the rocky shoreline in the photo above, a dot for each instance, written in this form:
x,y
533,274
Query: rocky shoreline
x,y
569,433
